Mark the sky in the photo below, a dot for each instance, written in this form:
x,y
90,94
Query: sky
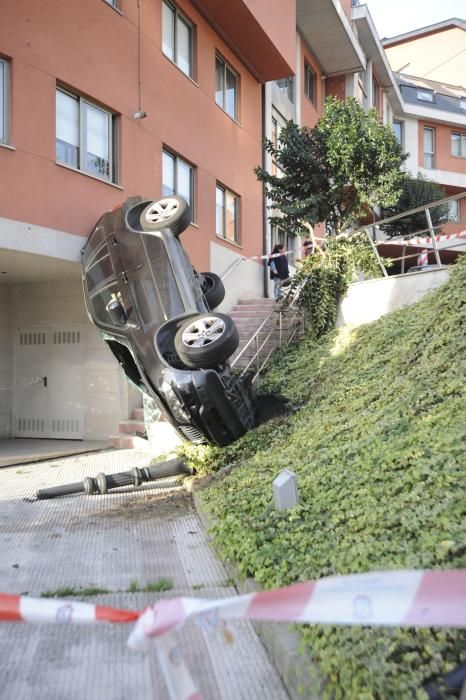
x,y
394,17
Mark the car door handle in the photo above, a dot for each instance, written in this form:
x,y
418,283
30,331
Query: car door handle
x,y
44,380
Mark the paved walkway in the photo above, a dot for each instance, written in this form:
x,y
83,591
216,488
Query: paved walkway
x,y
125,540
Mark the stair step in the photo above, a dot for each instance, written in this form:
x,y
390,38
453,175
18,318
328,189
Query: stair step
x,y
123,441
137,414
131,427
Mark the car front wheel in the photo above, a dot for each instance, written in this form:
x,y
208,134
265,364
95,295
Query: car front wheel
x,y
170,212
207,341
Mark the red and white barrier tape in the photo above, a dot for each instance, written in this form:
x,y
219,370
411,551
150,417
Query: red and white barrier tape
x,y
393,598
426,239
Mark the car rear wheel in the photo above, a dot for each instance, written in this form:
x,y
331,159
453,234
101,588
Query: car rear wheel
x,y
213,289
206,341
170,212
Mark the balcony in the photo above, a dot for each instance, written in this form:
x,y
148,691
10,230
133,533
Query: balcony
x,y
262,33
330,36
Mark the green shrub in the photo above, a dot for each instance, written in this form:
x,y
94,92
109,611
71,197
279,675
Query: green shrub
x,y
377,444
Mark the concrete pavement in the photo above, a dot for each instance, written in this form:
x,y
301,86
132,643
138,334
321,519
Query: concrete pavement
x,y
120,542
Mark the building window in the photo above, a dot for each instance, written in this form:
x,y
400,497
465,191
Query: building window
x,y
177,177
84,135
226,87
286,85
429,147
4,65
113,3
453,210
398,129
227,215
375,94
458,145
177,38
310,83
425,96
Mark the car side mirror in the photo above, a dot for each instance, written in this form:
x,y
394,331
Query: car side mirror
x,y
117,313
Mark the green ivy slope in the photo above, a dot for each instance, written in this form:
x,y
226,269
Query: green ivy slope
x,y
377,444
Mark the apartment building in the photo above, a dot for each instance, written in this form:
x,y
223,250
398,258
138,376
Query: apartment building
x,y
429,65
101,100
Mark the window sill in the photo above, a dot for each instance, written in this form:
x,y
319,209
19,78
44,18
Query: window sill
x,y
93,177
116,9
8,146
191,80
229,115
225,240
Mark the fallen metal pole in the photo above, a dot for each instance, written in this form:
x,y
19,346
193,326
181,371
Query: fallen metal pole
x,y
104,482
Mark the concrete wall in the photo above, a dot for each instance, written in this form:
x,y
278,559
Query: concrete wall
x,y
107,395
367,301
245,281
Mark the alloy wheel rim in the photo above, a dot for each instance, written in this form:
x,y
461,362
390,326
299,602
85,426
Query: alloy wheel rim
x,y
203,331
162,210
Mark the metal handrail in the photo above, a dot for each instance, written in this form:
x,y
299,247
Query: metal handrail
x,y
259,346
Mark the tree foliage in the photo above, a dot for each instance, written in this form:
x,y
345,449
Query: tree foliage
x,y
416,192
336,172
324,278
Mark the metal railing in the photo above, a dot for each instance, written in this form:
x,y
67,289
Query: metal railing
x,y
287,320
407,240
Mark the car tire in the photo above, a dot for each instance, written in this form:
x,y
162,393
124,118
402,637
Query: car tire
x,y
213,289
206,341
169,212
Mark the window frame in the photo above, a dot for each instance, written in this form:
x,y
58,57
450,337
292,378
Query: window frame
x,y
5,101
178,15
227,67
462,144
308,69
192,178
400,123
225,192
429,153
425,96
375,93
83,102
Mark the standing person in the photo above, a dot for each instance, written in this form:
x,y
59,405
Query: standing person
x,y
279,271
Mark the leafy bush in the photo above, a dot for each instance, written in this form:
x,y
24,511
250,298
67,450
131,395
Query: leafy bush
x,y
378,448
326,275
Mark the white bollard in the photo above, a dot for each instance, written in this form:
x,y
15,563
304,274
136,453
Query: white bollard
x,y
285,490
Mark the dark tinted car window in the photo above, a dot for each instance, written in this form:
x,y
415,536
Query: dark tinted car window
x,y
101,301
100,269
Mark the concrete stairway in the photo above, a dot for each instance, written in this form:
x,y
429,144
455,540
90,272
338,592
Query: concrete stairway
x,y
248,315
129,436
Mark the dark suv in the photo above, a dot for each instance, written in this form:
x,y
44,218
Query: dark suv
x,y
156,316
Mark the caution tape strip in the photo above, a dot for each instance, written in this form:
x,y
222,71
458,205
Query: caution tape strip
x,y
389,598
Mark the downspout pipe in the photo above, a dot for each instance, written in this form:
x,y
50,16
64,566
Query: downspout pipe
x,y
264,198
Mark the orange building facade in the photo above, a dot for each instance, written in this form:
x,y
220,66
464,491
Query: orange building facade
x,y
103,100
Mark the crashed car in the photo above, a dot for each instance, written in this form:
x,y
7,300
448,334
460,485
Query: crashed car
x,y
156,314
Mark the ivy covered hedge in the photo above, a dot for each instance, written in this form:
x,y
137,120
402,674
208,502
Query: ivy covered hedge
x,y
377,444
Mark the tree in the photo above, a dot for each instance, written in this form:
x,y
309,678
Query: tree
x,y
336,172
416,192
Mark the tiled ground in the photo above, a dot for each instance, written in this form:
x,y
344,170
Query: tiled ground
x,y
128,538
